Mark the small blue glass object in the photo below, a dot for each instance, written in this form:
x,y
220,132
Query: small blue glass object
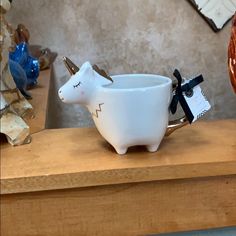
x,y
29,64
19,77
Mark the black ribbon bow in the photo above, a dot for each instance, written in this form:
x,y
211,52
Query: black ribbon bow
x,y
179,97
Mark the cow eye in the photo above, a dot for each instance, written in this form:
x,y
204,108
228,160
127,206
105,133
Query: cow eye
x,y
75,86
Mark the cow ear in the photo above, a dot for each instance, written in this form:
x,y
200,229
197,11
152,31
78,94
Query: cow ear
x,y
87,65
87,70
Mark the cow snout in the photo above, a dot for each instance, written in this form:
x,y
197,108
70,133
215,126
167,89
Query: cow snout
x,y
60,95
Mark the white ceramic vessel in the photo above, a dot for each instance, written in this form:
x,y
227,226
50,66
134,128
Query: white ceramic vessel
x,y
132,110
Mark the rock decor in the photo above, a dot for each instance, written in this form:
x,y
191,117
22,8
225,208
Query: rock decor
x,y
13,106
232,54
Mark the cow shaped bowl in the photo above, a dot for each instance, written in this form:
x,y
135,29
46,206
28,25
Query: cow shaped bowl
x,y
131,110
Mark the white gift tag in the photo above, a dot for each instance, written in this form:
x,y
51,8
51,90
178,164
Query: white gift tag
x,y
190,97
197,102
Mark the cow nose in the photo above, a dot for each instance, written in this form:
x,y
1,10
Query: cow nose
x,y
60,95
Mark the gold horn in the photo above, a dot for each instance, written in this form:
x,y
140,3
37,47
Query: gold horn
x,y
71,67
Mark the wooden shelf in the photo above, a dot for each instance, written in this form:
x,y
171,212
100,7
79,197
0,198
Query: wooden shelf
x,y
189,184
39,102
79,157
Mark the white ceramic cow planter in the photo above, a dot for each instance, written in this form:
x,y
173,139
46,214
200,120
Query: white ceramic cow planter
x,y
131,110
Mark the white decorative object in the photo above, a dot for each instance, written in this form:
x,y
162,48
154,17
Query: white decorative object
x,y
217,12
131,110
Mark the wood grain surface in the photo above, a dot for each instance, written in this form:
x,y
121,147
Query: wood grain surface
x,y
124,209
79,157
39,102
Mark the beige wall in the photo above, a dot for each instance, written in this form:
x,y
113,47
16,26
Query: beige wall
x,y
128,36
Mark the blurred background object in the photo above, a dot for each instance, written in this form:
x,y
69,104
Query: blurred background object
x,y
45,56
13,107
232,54
129,36
215,13
24,68
21,34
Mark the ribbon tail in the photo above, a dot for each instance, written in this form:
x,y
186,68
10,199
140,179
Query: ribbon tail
x,y
173,104
186,109
178,77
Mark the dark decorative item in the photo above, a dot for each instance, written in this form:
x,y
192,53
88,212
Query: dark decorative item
x,y
28,63
216,12
232,54
21,35
186,89
45,56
